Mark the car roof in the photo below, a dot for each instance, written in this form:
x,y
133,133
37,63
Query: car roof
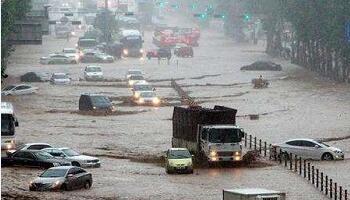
x,y
30,144
7,108
178,149
64,167
93,66
134,70
304,139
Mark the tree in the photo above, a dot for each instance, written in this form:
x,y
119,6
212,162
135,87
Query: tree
x,y
11,10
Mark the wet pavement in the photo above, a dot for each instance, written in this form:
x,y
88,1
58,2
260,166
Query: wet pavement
x,y
297,104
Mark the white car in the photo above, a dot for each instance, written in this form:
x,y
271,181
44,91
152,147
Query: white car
x,y
74,157
310,149
18,90
148,98
137,88
60,79
93,72
71,52
57,59
133,72
133,79
34,146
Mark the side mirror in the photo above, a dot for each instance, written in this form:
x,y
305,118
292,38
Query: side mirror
x,y
317,146
16,123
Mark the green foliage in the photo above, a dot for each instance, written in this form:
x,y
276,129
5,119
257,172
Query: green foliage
x,y
11,10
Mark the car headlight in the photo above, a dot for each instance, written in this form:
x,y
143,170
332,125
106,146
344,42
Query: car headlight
x,y
213,153
141,100
131,82
137,95
31,182
125,52
141,50
73,33
56,183
94,107
156,101
337,151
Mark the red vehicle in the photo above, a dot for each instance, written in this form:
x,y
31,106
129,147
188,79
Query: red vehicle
x,y
153,53
172,36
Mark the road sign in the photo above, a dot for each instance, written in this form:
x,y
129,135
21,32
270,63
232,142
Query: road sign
x,y
347,31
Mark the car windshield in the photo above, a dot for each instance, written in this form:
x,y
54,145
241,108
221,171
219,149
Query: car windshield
x,y
179,154
147,94
60,76
42,155
224,135
143,88
70,152
69,51
50,173
137,78
93,69
135,72
100,101
326,145
10,87
7,125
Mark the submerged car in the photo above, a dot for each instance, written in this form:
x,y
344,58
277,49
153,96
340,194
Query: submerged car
x,y
93,73
57,59
21,89
133,72
309,149
60,79
62,178
74,157
148,98
178,160
32,158
133,79
141,87
96,57
95,102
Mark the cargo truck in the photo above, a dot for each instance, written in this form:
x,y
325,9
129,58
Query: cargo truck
x,y
211,134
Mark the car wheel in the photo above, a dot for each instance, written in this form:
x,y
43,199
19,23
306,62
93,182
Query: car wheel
x,y
327,156
87,185
74,163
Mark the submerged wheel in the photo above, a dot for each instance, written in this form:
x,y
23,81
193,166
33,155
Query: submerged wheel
x,y
87,185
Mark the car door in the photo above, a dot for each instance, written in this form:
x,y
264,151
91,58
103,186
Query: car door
x,y
81,178
72,178
18,90
293,147
29,160
311,150
17,159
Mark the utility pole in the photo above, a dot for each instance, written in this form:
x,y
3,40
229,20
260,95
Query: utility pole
x,y
106,4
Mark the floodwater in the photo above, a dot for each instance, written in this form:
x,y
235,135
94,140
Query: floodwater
x,y
297,104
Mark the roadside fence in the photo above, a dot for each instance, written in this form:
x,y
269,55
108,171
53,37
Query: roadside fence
x,y
321,181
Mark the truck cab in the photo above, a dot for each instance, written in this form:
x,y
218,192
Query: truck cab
x,y
8,124
221,142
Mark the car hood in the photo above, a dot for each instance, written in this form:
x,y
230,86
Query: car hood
x,y
334,149
83,157
46,180
184,161
56,160
62,80
94,73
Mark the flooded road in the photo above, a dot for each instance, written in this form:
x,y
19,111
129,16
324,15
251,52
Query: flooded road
x,y
295,105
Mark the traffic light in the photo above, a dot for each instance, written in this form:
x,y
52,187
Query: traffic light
x,y
246,17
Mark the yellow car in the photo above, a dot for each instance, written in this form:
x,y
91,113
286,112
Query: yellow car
x,y
178,160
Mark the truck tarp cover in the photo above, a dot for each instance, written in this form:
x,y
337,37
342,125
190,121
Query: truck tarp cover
x,y
186,120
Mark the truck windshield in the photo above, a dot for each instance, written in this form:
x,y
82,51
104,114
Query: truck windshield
x,y
132,42
179,154
224,136
7,125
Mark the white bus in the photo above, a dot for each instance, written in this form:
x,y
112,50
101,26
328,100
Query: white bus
x,y
8,124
